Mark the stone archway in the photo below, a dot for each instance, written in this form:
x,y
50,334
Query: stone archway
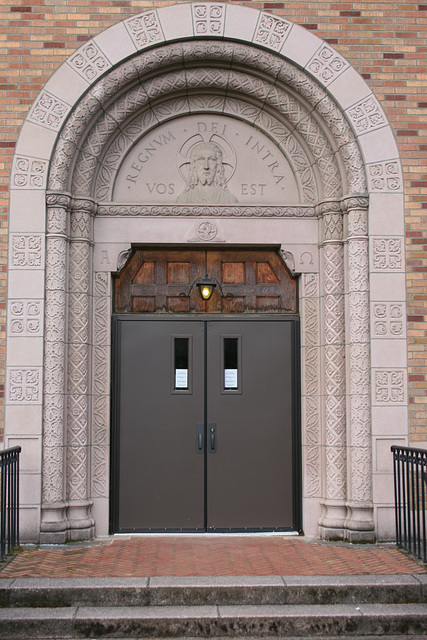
x,y
263,74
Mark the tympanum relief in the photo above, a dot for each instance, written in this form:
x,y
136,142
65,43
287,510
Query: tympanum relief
x,y
206,159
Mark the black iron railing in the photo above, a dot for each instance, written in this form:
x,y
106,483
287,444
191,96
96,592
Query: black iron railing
x,y
9,500
410,492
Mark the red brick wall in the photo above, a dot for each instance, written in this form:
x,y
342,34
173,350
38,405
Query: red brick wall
x,y
385,42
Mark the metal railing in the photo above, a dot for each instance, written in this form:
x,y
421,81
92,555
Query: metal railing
x,y
9,500
410,493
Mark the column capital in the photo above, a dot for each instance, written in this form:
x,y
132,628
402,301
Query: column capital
x,y
58,199
85,204
328,206
355,201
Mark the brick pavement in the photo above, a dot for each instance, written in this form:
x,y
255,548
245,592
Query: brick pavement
x,y
150,556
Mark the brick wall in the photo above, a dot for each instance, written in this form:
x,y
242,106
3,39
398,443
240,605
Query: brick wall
x,y
386,42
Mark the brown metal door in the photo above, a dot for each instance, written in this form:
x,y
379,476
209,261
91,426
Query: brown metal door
x,y
160,472
205,417
250,420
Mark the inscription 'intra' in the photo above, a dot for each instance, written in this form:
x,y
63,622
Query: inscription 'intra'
x,y
266,156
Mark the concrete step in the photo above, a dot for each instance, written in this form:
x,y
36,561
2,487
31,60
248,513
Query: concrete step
x,y
239,607
211,621
240,590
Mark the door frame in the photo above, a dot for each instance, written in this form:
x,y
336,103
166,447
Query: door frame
x,y
296,402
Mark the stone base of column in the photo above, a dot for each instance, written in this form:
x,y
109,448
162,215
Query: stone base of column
x,y
360,522
54,523
80,521
332,521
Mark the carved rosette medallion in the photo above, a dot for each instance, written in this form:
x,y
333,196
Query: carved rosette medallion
x,y
48,111
145,29
327,64
29,173
385,177
367,115
208,19
272,31
89,62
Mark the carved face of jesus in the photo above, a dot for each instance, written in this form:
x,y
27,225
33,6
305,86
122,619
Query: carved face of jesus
x,y
205,162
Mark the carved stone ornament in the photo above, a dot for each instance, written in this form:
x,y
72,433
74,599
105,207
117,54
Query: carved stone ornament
x,y
29,173
25,317
289,260
272,31
89,62
123,258
389,387
105,126
206,231
387,254
48,111
203,211
145,29
24,385
327,64
388,320
367,115
27,250
208,19
385,177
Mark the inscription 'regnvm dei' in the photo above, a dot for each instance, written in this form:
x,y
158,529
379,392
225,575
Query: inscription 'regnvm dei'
x,y
206,160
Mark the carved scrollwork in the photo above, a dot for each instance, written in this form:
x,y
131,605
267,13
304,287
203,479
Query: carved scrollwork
x,y
387,254
49,111
272,31
327,64
27,250
29,173
206,211
367,115
389,386
208,19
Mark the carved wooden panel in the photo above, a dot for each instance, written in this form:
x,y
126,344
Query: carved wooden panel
x,y
159,281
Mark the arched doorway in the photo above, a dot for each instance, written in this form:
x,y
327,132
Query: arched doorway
x,y
305,150
206,433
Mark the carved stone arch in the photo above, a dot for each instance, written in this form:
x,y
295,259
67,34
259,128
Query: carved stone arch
x,y
306,98
333,152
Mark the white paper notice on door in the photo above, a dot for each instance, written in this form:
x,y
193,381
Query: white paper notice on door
x,y
230,378
181,378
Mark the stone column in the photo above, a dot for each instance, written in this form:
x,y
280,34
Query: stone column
x,y
78,393
54,523
332,254
359,524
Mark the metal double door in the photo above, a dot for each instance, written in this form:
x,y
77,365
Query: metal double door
x,y
205,434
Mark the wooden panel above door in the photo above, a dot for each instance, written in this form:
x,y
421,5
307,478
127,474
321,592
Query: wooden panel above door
x,y
257,281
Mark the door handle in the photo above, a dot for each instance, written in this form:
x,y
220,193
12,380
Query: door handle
x,y
200,437
212,437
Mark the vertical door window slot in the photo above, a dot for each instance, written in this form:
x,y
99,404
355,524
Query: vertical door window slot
x,y
231,364
181,363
